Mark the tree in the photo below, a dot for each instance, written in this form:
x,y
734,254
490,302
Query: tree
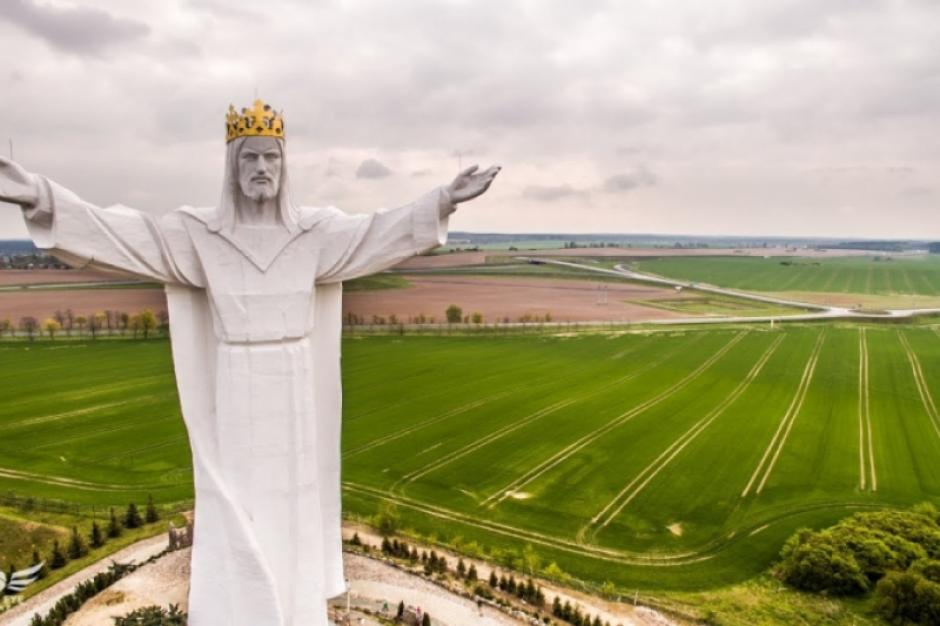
x,y
5,326
472,573
114,528
95,324
81,322
151,515
454,314
132,517
401,610
388,519
36,561
148,322
51,327
57,557
29,325
97,538
476,318
135,324
77,547
163,322
426,620
494,581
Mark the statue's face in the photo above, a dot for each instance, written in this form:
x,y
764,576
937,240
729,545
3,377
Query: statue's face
x,y
259,168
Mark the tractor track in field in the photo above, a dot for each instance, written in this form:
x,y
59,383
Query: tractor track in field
x,y
922,388
544,411
779,440
61,481
469,406
54,417
865,445
641,480
707,551
579,444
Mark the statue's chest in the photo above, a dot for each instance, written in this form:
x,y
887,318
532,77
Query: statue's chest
x,y
257,302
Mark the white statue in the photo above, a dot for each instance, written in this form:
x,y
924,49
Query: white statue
x,y
254,294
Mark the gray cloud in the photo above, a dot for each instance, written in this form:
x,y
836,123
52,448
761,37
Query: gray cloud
x,y
640,177
551,193
371,168
80,30
769,118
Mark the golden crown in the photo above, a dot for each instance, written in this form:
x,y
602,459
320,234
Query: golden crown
x,y
259,121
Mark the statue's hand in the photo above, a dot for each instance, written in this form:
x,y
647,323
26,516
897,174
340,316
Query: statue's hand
x,y
17,186
469,183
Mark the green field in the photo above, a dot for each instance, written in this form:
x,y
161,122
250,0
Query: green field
x,y
913,275
668,460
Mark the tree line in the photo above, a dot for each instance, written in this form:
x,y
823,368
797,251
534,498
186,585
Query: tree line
x,y
111,322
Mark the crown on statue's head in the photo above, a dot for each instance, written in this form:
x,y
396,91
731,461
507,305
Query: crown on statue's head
x,y
259,121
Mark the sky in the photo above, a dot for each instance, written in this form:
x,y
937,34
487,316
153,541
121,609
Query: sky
x,y
726,117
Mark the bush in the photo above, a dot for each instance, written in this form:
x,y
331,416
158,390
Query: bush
x,y
153,616
908,598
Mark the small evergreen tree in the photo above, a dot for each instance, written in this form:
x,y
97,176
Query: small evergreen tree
x,y
132,517
36,561
151,515
57,557
461,568
355,541
494,582
472,573
114,528
401,610
97,538
77,547
426,620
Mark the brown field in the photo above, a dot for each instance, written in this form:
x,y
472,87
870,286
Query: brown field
x,y
41,304
500,297
44,277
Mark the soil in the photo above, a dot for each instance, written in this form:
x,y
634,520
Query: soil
x,y
500,297
14,305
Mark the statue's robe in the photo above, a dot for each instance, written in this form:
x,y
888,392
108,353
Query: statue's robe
x,y
255,322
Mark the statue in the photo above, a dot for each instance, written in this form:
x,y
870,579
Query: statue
x,y
254,295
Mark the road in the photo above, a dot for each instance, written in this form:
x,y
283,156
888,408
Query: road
x,y
817,311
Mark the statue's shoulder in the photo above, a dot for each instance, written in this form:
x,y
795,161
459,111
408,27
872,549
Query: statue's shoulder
x,y
308,217
204,215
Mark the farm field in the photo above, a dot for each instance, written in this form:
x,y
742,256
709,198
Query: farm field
x,y
884,276
666,460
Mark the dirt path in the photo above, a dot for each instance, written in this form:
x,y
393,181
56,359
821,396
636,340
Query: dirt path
x,y
865,445
614,612
42,602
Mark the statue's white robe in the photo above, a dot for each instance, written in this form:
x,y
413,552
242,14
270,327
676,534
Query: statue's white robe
x,y
256,347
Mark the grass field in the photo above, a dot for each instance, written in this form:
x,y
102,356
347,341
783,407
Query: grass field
x,y
669,460
913,275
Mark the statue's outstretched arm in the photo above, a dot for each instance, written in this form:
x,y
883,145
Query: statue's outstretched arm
x,y
116,239
358,245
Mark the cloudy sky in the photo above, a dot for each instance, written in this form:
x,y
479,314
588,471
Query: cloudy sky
x,y
779,117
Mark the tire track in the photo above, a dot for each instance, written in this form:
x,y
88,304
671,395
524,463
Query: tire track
x,y
434,420
73,483
779,440
922,388
579,444
633,489
865,445
706,551
472,447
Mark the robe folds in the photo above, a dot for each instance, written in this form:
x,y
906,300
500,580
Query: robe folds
x,y
255,333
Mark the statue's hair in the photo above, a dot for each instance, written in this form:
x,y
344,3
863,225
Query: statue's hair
x,y
224,218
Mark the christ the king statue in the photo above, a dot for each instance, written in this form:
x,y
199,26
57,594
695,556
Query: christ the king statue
x,y
254,294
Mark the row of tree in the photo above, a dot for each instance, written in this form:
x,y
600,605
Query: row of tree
x,y
528,591
453,315
573,615
144,324
79,546
893,554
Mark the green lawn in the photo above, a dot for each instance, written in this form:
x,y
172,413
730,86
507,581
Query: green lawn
x,y
668,460
914,275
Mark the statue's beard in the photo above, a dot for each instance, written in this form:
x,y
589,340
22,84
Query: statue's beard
x,y
259,193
